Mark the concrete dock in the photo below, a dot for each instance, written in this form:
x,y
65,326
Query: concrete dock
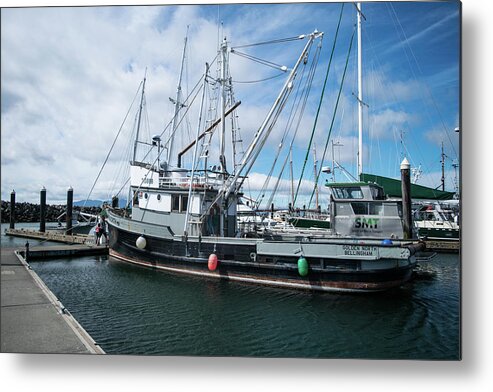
x,y
33,320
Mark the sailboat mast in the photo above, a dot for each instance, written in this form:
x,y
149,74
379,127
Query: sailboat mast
x,y
360,96
140,117
178,104
443,169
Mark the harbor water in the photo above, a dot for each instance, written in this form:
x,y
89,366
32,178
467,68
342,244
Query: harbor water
x,y
138,311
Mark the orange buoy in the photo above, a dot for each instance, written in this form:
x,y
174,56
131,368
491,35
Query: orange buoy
x,y
213,262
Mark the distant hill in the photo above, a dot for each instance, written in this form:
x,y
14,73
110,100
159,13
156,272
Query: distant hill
x,y
98,203
88,203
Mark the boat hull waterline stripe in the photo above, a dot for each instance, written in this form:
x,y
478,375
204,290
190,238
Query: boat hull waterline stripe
x,y
362,287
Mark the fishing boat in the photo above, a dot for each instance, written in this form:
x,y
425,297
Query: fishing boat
x,y
435,222
185,220
82,223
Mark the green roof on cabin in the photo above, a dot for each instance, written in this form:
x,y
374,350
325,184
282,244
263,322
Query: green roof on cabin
x,y
392,188
346,184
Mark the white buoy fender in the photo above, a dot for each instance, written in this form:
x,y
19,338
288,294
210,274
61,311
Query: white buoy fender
x,y
141,242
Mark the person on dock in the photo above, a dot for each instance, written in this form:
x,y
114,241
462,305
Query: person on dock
x,y
98,234
103,233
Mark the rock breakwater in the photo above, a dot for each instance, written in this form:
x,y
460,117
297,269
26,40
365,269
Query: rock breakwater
x,y
29,212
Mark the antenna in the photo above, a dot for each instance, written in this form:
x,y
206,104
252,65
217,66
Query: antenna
x,y
443,168
140,117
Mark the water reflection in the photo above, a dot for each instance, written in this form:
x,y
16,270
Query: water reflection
x,y
133,310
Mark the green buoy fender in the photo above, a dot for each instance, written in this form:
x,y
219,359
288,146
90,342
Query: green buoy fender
x,y
302,266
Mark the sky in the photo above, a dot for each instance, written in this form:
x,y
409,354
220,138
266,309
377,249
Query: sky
x,y
70,78
472,373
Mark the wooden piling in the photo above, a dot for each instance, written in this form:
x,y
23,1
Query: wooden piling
x,y
12,209
42,210
406,199
114,202
70,202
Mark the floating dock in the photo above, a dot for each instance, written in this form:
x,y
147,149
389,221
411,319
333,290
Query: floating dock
x,y
442,245
63,251
75,245
33,320
51,235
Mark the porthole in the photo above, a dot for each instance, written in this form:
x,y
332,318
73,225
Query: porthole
x,y
146,195
158,197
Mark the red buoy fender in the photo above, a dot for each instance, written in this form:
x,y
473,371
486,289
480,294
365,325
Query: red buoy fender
x,y
213,262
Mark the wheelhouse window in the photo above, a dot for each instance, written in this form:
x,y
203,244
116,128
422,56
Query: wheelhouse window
x,y
377,193
360,208
175,202
347,193
365,208
184,203
179,203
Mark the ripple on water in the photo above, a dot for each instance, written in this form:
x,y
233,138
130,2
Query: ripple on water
x,y
133,310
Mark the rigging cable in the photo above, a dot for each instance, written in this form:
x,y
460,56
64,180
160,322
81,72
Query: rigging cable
x,y
426,85
334,114
260,80
296,103
307,88
114,141
319,104
259,60
275,41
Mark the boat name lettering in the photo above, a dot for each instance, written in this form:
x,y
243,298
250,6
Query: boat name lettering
x,y
358,250
147,181
366,223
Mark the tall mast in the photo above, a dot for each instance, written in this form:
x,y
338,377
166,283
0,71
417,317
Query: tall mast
x,y
360,97
140,116
291,174
195,152
443,169
178,105
222,158
315,175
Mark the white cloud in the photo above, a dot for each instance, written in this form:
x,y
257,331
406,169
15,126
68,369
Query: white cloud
x,y
387,122
70,74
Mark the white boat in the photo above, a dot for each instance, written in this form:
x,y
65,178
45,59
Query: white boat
x,y
186,220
